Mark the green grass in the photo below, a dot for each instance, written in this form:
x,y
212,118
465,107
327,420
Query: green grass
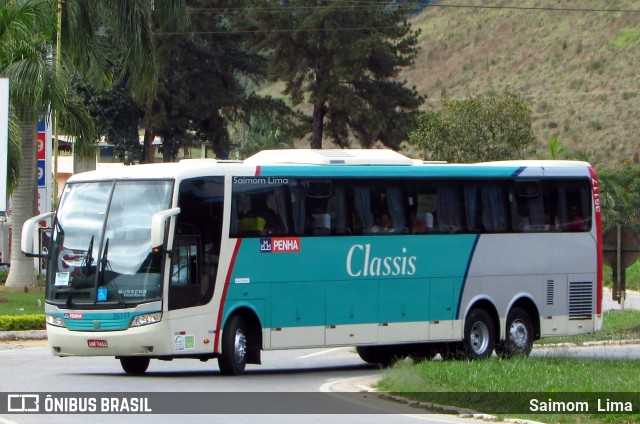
x,y
616,325
506,387
626,37
521,379
632,276
20,303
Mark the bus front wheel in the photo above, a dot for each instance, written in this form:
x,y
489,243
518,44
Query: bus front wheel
x,y
233,359
519,335
134,365
479,335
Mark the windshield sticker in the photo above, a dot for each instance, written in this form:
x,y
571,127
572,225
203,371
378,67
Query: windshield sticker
x,y
102,294
184,342
280,245
62,279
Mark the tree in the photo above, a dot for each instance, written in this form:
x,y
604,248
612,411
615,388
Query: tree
x,y
117,116
342,58
620,196
27,32
93,28
205,81
263,133
26,58
14,157
481,128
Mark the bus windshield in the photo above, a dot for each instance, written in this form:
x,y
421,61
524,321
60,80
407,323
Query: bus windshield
x,y
101,253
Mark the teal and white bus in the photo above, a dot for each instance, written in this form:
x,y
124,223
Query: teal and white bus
x,y
310,248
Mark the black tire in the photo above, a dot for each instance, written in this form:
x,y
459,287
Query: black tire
x,y
233,359
451,351
479,335
381,355
422,352
519,335
134,365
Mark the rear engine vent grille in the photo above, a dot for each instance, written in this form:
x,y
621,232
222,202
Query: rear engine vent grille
x,y
550,292
580,300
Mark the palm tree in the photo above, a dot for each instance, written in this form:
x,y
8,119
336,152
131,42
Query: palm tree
x,y
26,58
14,158
129,25
25,27
27,34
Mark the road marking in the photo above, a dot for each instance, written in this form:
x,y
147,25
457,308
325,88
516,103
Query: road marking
x,y
326,387
21,348
6,421
321,352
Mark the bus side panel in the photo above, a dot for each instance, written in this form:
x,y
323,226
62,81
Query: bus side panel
x,y
297,314
508,267
353,290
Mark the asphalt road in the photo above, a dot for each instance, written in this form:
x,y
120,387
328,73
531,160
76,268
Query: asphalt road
x,y
631,301
319,377
28,366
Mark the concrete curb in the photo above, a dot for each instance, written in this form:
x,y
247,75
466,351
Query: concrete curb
x,y
23,335
366,386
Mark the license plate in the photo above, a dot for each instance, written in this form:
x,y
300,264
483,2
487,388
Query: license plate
x,y
97,343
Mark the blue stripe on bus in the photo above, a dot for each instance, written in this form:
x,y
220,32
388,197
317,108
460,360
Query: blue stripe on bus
x,y
519,171
466,274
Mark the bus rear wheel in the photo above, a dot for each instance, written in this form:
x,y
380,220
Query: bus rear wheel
x,y
134,365
233,359
422,352
381,355
479,335
519,335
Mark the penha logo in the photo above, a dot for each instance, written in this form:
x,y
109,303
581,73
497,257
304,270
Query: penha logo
x,y
280,245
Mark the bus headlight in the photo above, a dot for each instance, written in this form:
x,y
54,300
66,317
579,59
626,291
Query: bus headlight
x,y
55,321
146,319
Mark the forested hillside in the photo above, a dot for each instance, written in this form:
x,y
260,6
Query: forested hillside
x,y
576,60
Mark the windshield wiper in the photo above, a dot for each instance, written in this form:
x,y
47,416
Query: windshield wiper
x,y
85,269
88,260
103,260
104,264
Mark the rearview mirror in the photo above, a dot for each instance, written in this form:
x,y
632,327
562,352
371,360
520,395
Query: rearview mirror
x,y
28,232
158,221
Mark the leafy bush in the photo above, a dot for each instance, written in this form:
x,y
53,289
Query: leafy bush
x,y
620,196
22,322
481,128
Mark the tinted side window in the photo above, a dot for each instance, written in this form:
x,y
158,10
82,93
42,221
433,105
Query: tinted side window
x,y
260,207
194,260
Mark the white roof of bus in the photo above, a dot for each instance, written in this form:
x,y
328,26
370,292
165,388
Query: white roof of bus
x,y
329,157
541,163
147,171
303,157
